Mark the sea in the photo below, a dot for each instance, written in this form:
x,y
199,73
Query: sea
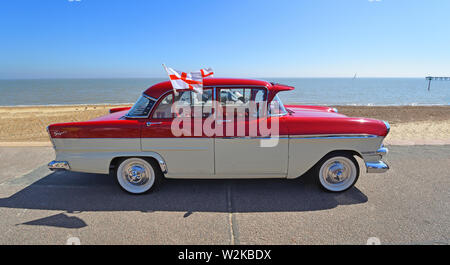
x,y
309,91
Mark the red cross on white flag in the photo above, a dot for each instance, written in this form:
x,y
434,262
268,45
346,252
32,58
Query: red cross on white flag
x,y
207,72
192,80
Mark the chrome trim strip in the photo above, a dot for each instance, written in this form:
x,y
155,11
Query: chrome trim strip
x,y
376,167
180,148
54,165
152,123
333,136
254,137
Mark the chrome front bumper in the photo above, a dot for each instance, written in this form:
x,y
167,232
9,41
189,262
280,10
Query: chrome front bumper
x,y
376,167
58,165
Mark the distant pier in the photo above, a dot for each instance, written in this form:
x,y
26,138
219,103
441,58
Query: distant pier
x,y
437,78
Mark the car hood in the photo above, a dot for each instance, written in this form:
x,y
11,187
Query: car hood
x,y
305,120
313,111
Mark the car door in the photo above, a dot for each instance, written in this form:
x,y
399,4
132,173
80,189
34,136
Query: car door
x,y
245,155
186,156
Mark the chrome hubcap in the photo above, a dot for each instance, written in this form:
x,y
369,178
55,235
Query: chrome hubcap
x,y
136,174
337,173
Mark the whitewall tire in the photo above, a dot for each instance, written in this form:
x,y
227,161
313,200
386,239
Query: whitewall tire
x,y
337,172
136,175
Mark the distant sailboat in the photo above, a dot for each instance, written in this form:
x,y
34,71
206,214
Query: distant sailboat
x,y
354,77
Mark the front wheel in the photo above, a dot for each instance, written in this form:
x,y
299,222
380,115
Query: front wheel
x,y
136,175
337,172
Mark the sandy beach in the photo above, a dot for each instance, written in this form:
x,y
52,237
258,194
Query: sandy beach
x,y
410,125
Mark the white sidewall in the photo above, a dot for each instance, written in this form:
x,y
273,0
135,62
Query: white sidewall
x,y
348,183
134,188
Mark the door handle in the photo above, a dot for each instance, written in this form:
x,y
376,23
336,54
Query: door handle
x,y
152,123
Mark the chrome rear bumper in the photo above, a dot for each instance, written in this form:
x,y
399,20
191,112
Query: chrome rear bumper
x,y
55,165
376,167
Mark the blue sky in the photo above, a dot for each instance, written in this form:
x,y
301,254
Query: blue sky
x,y
132,38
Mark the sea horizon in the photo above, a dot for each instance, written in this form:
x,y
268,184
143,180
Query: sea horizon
x,y
345,91
239,77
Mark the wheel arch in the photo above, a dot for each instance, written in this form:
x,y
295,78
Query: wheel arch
x,y
337,151
347,151
157,158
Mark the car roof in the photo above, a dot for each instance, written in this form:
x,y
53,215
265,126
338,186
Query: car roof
x,y
159,89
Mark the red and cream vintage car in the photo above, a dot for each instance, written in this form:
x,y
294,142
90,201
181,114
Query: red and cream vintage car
x,y
139,145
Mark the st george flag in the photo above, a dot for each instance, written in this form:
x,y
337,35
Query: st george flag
x,y
192,80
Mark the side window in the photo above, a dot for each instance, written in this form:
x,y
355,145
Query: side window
x,y
203,101
164,109
276,107
200,104
244,101
241,96
234,96
260,95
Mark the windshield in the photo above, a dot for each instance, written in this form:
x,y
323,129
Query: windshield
x,y
142,107
276,107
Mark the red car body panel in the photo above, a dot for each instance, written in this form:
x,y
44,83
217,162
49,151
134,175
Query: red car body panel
x,y
97,129
301,119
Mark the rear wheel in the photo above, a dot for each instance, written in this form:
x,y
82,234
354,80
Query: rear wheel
x,y
337,172
137,175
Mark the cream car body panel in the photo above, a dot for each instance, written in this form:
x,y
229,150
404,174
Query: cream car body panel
x,y
95,155
185,157
245,156
306,150
215,157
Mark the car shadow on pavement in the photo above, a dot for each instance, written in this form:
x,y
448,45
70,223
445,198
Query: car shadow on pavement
x,y
74,192
58,220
